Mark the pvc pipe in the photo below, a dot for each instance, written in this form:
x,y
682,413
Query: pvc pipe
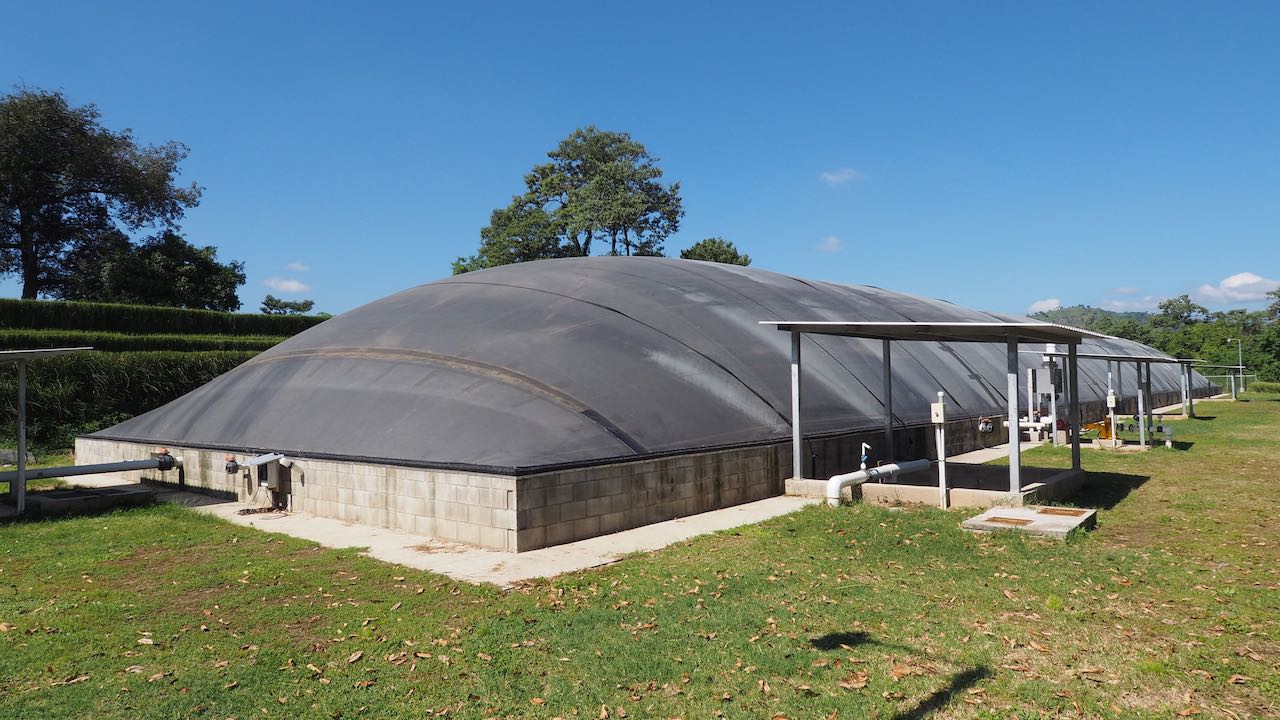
x,y
74,470
837,483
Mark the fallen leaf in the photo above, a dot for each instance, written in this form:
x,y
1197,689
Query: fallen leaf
x,y
146,641
355,656
537,701
231,685
1239,679
856,681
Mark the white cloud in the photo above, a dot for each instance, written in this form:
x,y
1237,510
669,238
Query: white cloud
x,y
298,267
1124,290
841,176
286,285
1242,287
1146,303
1044,305
831,244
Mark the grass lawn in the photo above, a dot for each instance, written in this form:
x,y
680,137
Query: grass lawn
x,y
1170,608
42,460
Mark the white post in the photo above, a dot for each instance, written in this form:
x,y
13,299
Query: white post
x,y
1191,389
1033,402
18,490
1015,439
1186,394
940,439
1146,390
1142,408
1233,385
1073,405
797,457
888,401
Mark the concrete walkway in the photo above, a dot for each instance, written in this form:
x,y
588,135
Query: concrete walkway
x,y
478,565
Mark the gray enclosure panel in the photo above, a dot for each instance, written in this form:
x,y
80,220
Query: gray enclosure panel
x,y
576,361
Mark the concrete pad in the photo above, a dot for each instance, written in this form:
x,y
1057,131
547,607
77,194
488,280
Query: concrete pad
x,y
1038,520
79,500
479,565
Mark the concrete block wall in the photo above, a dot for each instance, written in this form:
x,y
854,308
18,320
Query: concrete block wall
x,y
473,508
563,506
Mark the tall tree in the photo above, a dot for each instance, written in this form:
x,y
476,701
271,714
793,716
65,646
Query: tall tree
x,y
162,270
66,182
598,185
716,249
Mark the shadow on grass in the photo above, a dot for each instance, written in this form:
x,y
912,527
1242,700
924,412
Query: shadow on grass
x,y
1106,490
833,641
1182,444
1205,417
943,696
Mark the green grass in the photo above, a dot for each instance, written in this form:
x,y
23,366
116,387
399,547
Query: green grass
x,y
849,612
43,460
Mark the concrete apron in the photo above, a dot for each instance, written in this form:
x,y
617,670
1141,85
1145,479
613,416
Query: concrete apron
x,y
479,565
971,484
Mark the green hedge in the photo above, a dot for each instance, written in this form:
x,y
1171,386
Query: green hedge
x,y
1263,386
73,394
145,320
24,339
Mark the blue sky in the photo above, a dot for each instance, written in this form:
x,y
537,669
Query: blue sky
x,y
993,154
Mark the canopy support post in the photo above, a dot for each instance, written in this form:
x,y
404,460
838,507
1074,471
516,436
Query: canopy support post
x,y
1073,401
18,489
1015,429
797,457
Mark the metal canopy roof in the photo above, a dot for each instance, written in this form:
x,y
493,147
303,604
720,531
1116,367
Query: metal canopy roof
x,y
16,355
1119,357
942,331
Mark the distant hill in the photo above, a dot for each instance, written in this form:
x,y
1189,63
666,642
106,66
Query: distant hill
x,y
1083,316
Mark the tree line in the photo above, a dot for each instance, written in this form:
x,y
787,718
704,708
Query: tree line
x,y
1184,329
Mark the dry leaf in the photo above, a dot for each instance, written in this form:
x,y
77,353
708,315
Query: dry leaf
x,y
146,641
537,701
1239,679
355,656
231,685
856,681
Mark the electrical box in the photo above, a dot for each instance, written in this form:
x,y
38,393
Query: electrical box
x,y
937,412
1044,380
1111,400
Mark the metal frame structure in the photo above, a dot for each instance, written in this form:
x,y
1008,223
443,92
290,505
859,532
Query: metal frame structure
x,y
18,486
1231,376
1142,364
1009,333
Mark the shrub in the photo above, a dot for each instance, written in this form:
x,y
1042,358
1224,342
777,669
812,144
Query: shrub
x,y
1263,386
73,394
25,339
144,320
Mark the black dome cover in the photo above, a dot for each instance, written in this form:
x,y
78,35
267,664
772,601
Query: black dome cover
x,y
576,361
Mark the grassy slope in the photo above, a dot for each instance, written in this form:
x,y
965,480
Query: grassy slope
x,y
857,611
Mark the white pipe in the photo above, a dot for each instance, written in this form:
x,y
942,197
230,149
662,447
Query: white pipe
x,y
839,482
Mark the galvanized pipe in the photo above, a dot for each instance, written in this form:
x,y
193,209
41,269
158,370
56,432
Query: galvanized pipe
x,y
163,463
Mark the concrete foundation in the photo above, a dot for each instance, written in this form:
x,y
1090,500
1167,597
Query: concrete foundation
x,y
525,512
1050,522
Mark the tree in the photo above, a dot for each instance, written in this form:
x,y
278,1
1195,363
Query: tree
x,y
272,305
1272,313
599,185
1179,312
162,270
716,249
68,182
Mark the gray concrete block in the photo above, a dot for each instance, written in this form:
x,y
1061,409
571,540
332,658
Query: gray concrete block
x,y
531,539
599,506
586,527
586,489
573,510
